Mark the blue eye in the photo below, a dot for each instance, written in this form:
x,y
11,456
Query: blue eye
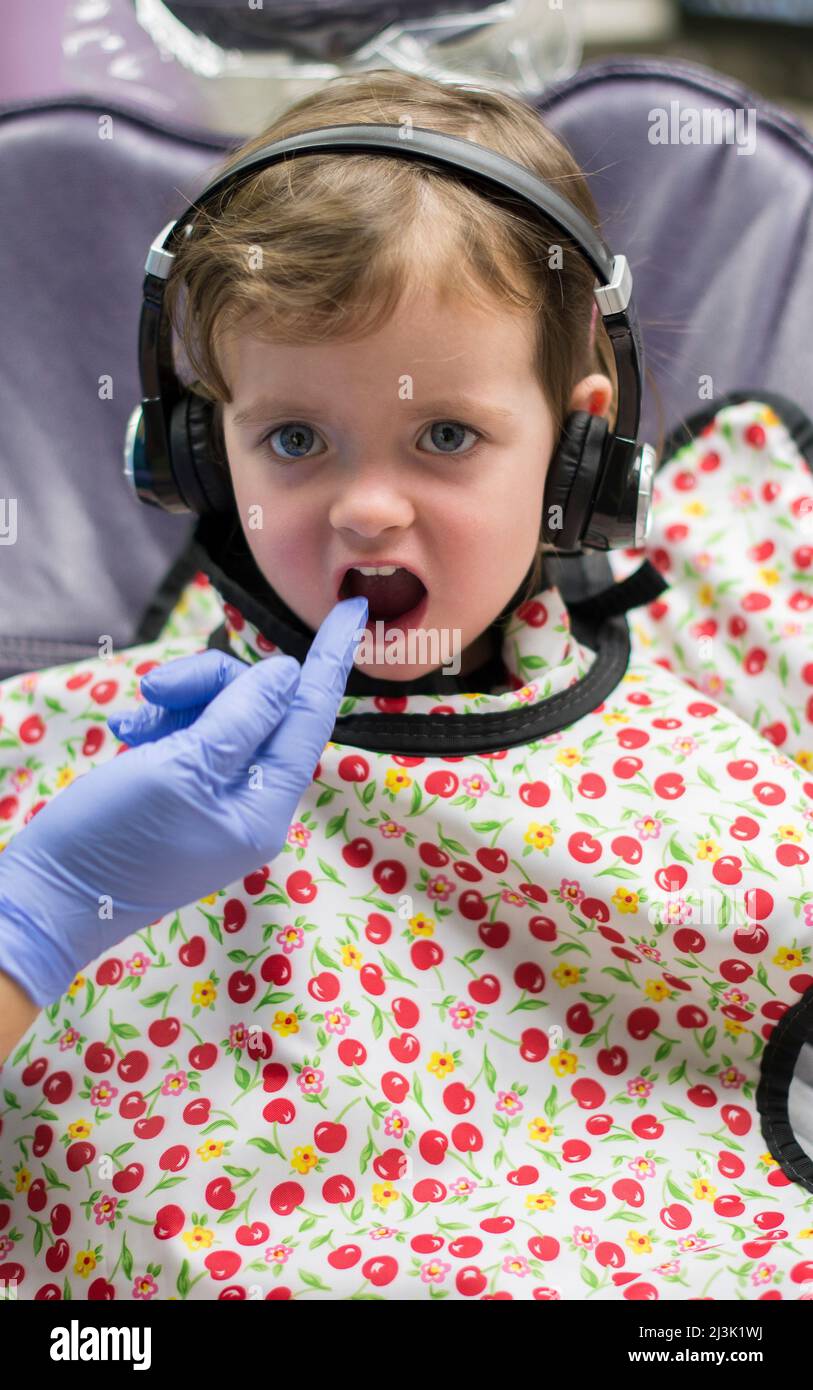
x,y
299,438
450,426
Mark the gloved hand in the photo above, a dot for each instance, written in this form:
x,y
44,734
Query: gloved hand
x,y
172,820
176,693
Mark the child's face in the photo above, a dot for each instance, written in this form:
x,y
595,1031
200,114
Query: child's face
x,y
377,467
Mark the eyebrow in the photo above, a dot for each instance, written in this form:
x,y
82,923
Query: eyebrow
x,y
468,405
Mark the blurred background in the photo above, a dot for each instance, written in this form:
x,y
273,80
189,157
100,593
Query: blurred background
x,y
228,65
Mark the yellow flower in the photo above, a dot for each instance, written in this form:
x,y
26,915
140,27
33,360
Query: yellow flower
x,y
769,1160
768,416
787,959
304,1158
657,990
566,975
213,1148
704,1191
540,1201
74,988
564,1063
569,756
396,780
351,955
441,1064
617,716
733,1027
789,832
540,836
540,1130
23,1180
64,777
421,925
80,1129
198,1238
804,758
639,1243
284,1024
705,595
204,993
696,508
210,899
805,1234
384,1194
85,1263
709,849
769,575
625,900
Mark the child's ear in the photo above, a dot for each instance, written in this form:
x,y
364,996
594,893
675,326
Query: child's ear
x,y
593,393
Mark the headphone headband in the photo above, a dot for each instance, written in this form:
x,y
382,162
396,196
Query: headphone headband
x,y
149,467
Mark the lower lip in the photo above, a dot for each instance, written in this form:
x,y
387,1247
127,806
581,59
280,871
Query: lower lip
x,y
403,623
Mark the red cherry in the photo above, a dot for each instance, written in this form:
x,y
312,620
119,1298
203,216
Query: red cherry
x,y
642,1022
192,952
534,1045
354,768
390,875
300,886
169,1221
441,783
458,1099
534,793
358,852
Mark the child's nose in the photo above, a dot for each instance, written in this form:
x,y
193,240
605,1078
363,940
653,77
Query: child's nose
x,y
369,506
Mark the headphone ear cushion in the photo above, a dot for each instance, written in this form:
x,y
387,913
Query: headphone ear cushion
x,y
203,481
572,478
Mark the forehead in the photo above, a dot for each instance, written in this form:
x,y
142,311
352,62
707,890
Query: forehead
x,y
428,338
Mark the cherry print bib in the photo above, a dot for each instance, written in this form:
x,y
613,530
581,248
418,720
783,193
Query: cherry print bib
x,y
518,1011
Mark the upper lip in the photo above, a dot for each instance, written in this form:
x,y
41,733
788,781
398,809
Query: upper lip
x,y
368,564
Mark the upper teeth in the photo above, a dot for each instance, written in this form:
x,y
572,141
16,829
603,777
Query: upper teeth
x,y
375,569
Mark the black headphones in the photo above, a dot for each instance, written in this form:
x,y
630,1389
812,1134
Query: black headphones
x,y
598,490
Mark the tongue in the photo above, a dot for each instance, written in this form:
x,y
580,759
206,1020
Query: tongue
x,y
387,595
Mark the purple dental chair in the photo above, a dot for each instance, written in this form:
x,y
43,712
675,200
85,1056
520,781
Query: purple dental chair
x,y
719,242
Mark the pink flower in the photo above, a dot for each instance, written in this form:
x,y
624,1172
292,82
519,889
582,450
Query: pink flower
x,y
22,778
395,1123
731,1078
434,1271
509,1102
105,1209
310,1080
299,834
138,964
103,1093
391,830
174,1083
336,1021
648,828
462,1187
278,1254
513,899
290,938
639,1086
642,1167
145,1287
69,1040
585,1237
516,1264
476,786
440,887
571,890
462,1015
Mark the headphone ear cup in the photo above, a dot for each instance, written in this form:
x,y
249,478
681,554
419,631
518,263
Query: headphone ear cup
x,y
572,477
202,484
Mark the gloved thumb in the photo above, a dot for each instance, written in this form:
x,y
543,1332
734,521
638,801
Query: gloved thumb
x,y
191,680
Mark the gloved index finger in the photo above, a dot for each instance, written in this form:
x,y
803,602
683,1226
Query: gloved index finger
x,y
309,722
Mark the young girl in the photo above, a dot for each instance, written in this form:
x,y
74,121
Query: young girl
x,y
511,1015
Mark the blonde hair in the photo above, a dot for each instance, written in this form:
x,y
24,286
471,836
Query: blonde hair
x,y
342,238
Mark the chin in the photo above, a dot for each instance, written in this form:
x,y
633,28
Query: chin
x,y
383,671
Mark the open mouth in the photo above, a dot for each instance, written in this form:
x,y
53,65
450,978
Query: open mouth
x,y
396,596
